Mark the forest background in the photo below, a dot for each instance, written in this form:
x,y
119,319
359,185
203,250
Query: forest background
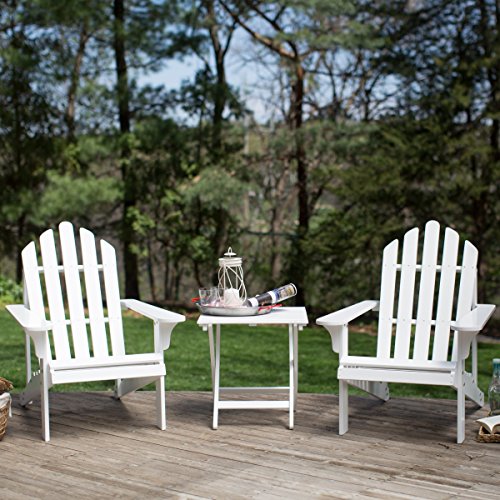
x,y
378,117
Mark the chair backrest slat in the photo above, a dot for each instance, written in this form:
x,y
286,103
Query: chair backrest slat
x,y
54,295
446,296
112,298
467,294
387,290
468,285
32,280
406,294
427,283
74,291
94,294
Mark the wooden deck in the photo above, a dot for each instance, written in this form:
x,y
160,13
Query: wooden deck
x,y
105,448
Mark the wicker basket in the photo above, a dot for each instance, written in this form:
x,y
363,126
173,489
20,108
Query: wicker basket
x,y
485,437
4,415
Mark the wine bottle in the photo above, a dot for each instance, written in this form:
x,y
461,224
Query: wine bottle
x,y
272,296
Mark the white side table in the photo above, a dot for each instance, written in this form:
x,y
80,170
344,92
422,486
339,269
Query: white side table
x,y
293,317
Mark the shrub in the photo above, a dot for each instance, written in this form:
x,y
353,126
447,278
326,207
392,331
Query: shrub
x,y
10,291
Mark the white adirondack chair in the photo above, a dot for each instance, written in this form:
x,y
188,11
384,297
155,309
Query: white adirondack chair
x,y
394,362
76,358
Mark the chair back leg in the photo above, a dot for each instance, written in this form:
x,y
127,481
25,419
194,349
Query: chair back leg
x,y
161,420
343,407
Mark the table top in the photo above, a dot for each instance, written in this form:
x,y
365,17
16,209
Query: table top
x,y
277,316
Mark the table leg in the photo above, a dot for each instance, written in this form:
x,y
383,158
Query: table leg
x,y
212,354
296,363
291,397
215,423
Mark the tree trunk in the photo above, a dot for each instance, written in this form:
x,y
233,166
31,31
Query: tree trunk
x,y
221,85
73,87
130,193
167,287
299,262
151,271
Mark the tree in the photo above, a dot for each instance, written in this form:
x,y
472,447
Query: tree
x,y
27,120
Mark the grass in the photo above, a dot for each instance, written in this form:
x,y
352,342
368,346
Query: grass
x,y
249,356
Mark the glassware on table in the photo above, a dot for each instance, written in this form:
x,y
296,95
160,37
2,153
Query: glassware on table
x,y
211,296
494,389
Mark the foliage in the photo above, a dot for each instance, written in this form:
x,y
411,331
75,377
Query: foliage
x,y
382,115
10,291
77,198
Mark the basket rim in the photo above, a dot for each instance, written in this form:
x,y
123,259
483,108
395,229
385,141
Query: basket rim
x,y
485,437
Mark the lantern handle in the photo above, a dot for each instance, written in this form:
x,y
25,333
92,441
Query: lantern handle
x,y
230,252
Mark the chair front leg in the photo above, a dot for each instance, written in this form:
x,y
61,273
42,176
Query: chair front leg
x,y
460,401
44,389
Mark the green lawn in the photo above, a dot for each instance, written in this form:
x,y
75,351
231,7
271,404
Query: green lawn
x,y
249,356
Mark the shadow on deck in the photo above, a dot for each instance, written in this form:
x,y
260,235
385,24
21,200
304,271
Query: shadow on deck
x,y
100,447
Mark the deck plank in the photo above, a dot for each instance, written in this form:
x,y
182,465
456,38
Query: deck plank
x,y
101,447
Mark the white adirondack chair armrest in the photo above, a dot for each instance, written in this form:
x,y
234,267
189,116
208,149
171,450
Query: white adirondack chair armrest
x,y
166,320
475,320
336,323
347,314
152,312
28,320
469,326
34,326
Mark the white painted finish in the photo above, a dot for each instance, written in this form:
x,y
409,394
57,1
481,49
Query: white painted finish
x,y
407,376
293,317
291,368
74,291
254,405
347,314
111,285
397,364
406,294
278,316
32,284
131,371
54,295
152,312
422,368
255,390
387,294
475,320
94,293
445,298
215,423
426,295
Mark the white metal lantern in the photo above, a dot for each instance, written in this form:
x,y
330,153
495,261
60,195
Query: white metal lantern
x,y
231,279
